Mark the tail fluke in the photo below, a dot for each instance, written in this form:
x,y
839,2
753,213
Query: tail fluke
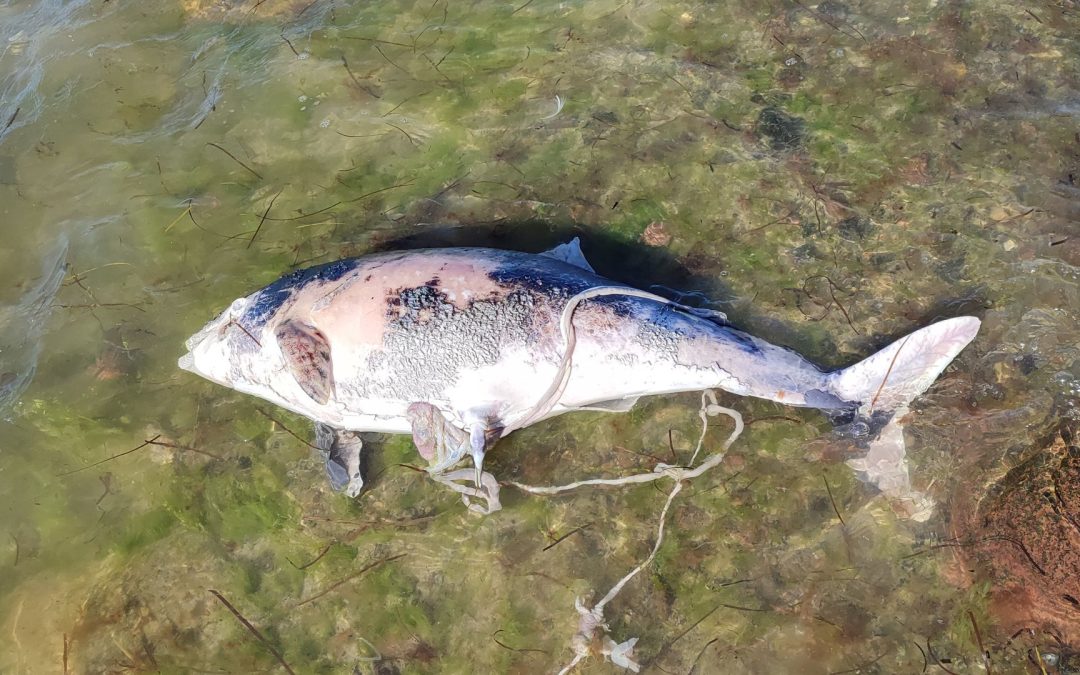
x,y
883,385
891,378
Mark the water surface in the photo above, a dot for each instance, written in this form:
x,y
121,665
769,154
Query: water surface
x,y
833,175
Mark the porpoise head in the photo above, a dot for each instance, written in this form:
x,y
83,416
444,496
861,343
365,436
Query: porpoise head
x,y
216,353
255,347
248,356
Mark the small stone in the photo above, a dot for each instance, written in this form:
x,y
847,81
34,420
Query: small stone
x,y
998,213
656,234
855,227
1009,245
783,131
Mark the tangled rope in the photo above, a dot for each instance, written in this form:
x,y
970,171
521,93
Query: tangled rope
x,y
592,618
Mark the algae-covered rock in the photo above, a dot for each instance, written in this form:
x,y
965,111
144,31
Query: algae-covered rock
x,y
1027,537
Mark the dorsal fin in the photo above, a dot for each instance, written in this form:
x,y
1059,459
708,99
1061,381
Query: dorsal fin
x,y
307,357
570,252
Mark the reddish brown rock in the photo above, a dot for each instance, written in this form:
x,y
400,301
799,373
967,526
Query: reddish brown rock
x,y
1027,535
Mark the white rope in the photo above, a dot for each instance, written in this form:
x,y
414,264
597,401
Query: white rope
x,y
708,409
590,619
562,375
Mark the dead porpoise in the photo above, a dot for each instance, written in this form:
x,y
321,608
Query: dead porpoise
x,y
461,346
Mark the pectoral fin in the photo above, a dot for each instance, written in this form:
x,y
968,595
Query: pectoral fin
x,y
307,357
343,458
439,442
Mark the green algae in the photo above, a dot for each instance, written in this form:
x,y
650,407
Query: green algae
x,y
917,160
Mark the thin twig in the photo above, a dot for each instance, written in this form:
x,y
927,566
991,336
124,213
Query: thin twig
x,y
288,42
1039,660
515,649
381,53
923,652
180,217
226,237
336,584
303,215
746,609
639,454
253,171
315,560
982,648
152,441
254,631
936,661
264,215
769,418
832,292
961,544
686,630
888,372
347,201
378,41
411,139
569,534
95,305
65,654
11,120
234,322
286,429
701,653
781,219
548,577
831,500
109,459
403,102
306,8
177,446
356,81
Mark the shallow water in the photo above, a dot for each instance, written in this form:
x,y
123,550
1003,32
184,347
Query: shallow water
x,y
832,175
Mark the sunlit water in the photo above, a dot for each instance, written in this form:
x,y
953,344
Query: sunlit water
x,y
832,175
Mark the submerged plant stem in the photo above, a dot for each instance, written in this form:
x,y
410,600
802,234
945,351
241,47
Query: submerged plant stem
x,y
254,631
336,584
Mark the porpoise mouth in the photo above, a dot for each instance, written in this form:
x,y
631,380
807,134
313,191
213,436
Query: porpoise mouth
x,y
187,361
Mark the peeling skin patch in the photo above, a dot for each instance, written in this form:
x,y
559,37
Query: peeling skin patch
x,y
429,342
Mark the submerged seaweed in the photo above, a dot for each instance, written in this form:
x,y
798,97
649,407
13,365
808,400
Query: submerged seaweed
x,y
833,175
